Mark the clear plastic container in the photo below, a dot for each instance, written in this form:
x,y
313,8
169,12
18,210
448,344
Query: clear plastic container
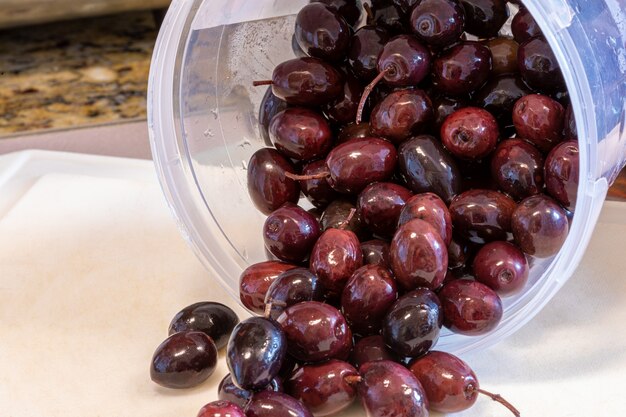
x,y
204,128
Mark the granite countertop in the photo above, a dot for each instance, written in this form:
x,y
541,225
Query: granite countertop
x,y
75,73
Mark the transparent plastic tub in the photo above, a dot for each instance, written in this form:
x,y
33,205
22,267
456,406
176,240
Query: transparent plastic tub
x,y
202,112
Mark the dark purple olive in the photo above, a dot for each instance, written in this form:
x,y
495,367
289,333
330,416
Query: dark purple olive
x,y
214,319
343,110
412,324
228,391
321,32
539,120
325,389
503,55
389,389
502,267
335,257
290,233
292,287
221,409
184,360
306,82
315,332
405,61
432,209
482,216
539,66
348,9
270,106
570,132
379,206
462,69
267,185
255,353
419,256
275,404
499,96
318,191
470,133
449,383
540,226
484,18
376,252
388,17
370,349
524,26
561,173
401,114
367,44
438,23
517,168
358,162
427,167
256,279
366,298
443,107
300,133
354,131
336,215
469,307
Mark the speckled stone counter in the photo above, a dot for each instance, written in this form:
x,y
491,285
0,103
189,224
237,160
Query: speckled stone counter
x,y
76,73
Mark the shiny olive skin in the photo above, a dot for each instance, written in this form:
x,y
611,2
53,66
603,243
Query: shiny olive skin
x,y
419,256
405,61
412,324
184,360
335,257
401,114
470,133
469,307
275,404
437,23
290,232
367,296
499,96
389,389
292,287
376,252
228,391
255,353
502,267
336,214
315,332
270,106
343,109
317,191
359,162
370,349
561,173
524,26
267,185
306,82
321,32
449,383
484,18
379,206
504,55
539,119
214,319
354,131
517,168
300,133
256,279
540,226
432,209
348,9
539,66
367,44
462,69
443,107
325,388
482,216
221,409
426,166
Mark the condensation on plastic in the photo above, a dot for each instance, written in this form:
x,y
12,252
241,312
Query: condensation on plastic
x,y
202,114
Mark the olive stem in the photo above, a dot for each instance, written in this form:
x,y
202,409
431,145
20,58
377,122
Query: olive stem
x,y
262,82
369,13
353,379
317,176
348,219
498,398
367,92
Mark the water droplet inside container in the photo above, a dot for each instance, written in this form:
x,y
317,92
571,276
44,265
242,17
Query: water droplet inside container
x,y
209,133
245,143
244,253
244,164
215,113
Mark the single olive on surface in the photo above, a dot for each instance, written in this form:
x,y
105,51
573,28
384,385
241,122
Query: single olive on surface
x,y
214,319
